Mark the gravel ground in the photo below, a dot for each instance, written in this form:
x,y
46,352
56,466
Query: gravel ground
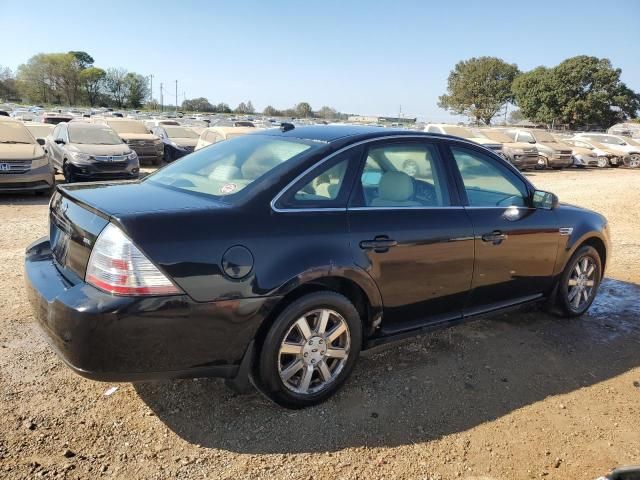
x,y
516,395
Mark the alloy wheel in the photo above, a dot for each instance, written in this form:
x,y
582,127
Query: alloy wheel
x,y
314,351
603,162
634,160
581,283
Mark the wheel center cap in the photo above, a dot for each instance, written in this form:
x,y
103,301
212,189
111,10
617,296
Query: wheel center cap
x,y
314,350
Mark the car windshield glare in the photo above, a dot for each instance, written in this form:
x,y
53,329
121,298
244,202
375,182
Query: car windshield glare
x,y
93,136
545,137
180,132
228,167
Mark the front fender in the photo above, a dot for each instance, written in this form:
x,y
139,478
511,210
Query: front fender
x,y
585,230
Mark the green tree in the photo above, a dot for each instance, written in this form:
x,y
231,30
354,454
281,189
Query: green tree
x,y
116,85
92,81
516,116
270,111
327,113
242,108
137,89
82,59
223,108
479,88
579,91
8,87
250,108
303,110
199,104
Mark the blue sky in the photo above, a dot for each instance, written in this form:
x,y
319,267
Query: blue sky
x,y
365,57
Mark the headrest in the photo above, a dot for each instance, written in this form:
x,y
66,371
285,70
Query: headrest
x,y
395,186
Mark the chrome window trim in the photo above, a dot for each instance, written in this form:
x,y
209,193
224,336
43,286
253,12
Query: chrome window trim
x,y
343,149
446,207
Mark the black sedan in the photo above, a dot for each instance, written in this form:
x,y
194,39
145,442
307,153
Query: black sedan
x,y
280,255
178,140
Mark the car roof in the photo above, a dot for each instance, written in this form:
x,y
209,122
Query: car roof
x,y
330,133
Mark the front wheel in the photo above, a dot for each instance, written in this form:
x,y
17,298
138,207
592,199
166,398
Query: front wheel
x,y
580,281
603,162
633,161
310,350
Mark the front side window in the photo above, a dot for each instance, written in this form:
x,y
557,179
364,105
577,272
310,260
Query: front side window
x,y
402,175
486,184
226,168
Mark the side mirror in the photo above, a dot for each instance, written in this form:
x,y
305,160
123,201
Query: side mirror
x,y
41,141
545,200
532,141
60,141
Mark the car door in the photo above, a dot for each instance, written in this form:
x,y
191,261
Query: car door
x,y
515,244
408,232
56,148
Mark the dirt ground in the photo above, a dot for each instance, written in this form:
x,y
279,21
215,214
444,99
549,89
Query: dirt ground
x,y
517,395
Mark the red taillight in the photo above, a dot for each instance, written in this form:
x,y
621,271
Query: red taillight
x,y
117,266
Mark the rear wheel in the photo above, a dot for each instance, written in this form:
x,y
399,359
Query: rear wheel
x,y
603,162
634,160
580,281
310,350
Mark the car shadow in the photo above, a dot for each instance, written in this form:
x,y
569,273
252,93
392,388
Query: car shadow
x,y
423,389
27,198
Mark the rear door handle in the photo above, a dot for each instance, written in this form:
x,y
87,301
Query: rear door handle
x,y
496,237
380,244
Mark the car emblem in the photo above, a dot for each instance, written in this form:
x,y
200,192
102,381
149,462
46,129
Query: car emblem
x,y
5,167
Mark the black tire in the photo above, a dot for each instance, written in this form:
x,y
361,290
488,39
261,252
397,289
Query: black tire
x,y
267,370
563,292
69,177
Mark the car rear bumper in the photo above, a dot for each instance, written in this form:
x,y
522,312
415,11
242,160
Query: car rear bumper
x,y
38,179
113,338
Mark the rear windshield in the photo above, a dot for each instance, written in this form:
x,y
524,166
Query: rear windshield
x,y
14,132
127,127
180,132
93,135
228,167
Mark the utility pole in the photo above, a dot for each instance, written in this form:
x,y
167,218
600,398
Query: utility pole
x,y
151,88
176,97
161,99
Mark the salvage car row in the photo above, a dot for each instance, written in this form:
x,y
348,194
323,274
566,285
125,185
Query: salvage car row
x,y
112,148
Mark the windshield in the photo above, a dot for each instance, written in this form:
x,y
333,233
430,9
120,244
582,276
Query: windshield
x,y
39,131
14,132
544,137
180,132
227,167
497,136
459,132
127,127
93,135
610,139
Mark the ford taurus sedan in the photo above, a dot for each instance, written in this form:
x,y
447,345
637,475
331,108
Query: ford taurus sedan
x,y
280,255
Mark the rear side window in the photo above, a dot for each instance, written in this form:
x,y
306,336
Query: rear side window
x,y
486,184
226,168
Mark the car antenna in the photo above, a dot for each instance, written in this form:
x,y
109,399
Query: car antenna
x,y
286,126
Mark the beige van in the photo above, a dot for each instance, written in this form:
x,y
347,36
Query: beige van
x,y
24,165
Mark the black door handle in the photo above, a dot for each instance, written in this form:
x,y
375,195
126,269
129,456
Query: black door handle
x,y
496,237
380,244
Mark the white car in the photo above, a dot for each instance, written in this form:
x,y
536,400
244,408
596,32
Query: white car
x,y
218,134
628,147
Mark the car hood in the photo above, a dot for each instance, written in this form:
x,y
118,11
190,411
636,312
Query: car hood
x,y
20,151
485,141
527,147
135,198
119,149
185,142
138,136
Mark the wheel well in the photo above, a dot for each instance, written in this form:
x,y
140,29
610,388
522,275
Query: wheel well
x,y
343,286
598,244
